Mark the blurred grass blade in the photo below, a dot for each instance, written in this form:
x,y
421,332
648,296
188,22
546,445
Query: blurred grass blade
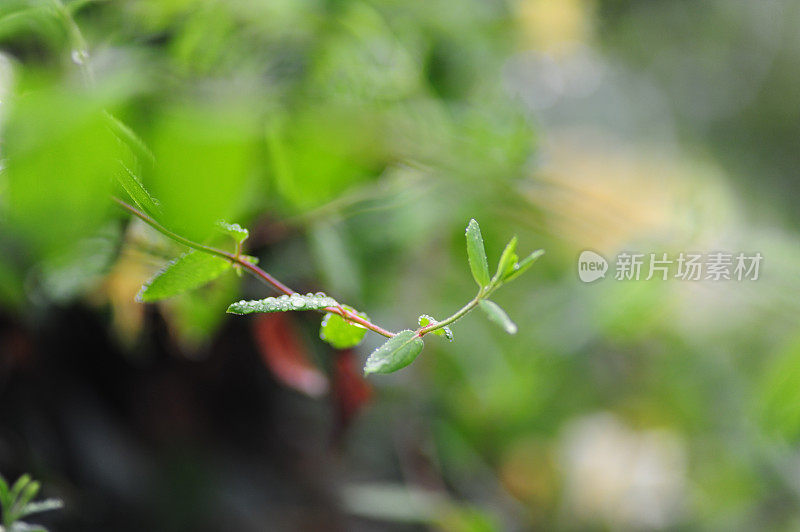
x,y
40,506
476,253
191,270
283,303
341,333
498,315
398,352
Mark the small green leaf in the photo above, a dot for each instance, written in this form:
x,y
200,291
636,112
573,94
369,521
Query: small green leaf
x,y
235,231
340,333
445,331
18,486
190,270
523,266
476,254
283,303
498,315
26,496
398,352
508,260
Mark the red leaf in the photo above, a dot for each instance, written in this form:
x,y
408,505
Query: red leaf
x,y
284,354
351,391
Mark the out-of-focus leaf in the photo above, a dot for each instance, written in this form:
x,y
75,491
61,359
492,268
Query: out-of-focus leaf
x,y
235,231
188,271
350,390
445,331
340,333
286,356
780,395
523,266
283,303
40,506
498,315
339,272
396,353
476,254
508,260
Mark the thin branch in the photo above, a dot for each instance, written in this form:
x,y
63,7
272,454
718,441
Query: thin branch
x,y
250,267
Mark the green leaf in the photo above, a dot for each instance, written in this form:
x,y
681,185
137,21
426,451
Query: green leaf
x,y
476,254
445,331
5,494
498,315
398,352
190,270
18,486
523,266
131,139
340,333
283,303
235,231
133,186
26,496
508,260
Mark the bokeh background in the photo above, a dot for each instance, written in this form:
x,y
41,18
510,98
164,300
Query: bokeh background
x,y
356,139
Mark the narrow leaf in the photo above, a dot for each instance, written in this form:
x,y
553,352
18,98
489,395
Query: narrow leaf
x,y
398,352
340,333
523,266
5,500
445,331
18,486
283,303
40,506
476,254
508,261
191,270
498,315
126,135
133,186
235,231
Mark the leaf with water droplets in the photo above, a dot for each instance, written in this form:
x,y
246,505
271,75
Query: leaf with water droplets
x,y
190,270
398,352
498,315
235,231
133,186
523,266
445,331
508,261
476,254
340,333
283,303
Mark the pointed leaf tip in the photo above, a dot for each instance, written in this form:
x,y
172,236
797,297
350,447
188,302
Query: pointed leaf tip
x,y
498,316
396,353
476,254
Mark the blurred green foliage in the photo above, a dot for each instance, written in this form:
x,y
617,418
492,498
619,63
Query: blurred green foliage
x,y
357,138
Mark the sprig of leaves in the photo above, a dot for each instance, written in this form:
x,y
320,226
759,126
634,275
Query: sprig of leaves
x,y
17,503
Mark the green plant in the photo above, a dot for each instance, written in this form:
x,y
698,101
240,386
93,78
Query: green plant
x,y
17,503
342,326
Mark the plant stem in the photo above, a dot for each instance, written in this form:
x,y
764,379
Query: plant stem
x,y
482,293
252,268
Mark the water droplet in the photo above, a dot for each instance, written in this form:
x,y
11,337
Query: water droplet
x,y
79,57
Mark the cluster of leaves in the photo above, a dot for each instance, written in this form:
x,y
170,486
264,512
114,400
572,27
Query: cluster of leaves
x,y
342,327
17,503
